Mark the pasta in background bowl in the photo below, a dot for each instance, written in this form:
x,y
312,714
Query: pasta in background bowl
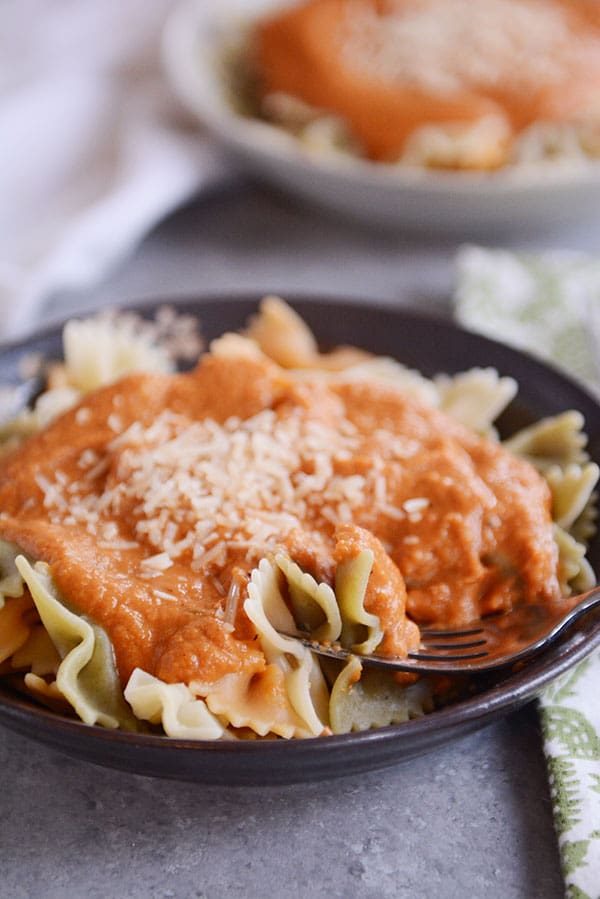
x,y
201,39
431,347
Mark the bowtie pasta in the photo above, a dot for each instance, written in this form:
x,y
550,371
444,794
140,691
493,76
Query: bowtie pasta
x,y
164,535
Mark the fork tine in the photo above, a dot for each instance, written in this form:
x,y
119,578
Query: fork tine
x,y
452,644
446,657
460,632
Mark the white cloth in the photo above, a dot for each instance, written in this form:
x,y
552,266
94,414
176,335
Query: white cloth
x,y
94,148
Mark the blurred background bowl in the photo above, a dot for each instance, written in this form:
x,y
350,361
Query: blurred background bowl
x,y
537,196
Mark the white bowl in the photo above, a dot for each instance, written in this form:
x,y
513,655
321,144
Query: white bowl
x,y
538,195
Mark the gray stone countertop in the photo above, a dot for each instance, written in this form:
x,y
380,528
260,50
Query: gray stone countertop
x,y
471,819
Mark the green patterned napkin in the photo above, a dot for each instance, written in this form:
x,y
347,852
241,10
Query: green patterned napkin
x,y
549,304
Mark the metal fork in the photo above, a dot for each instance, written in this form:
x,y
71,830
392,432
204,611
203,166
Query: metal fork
x,y
487,643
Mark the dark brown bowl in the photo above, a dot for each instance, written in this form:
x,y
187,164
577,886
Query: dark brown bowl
x,y
420,342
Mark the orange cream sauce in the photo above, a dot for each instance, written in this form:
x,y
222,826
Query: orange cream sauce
x,y
545,69
456,524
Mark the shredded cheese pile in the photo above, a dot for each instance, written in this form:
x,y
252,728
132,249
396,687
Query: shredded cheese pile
x,y
445,47
200,487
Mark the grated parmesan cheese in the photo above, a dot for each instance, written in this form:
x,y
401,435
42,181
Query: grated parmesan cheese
x,y
446,47
416,504
203,490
